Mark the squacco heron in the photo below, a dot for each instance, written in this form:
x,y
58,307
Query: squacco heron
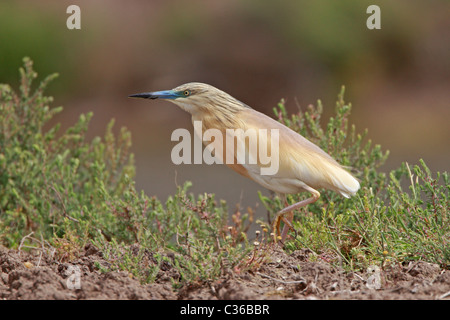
x,y
302,166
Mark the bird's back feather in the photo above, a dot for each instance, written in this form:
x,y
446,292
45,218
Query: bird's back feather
x,y
300,161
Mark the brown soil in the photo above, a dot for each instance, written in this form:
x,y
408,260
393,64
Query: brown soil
x,y
25,275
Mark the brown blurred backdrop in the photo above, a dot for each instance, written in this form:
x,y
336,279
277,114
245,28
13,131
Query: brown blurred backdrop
x,y
397,78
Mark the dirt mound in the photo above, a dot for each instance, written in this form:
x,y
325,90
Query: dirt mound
x,y
26,275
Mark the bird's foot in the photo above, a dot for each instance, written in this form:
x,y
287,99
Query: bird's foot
x,y
281,236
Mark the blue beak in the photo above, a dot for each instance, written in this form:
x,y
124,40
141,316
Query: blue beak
x,y
167,94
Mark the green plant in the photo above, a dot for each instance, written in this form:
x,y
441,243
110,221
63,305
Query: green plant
x,y
49,183
383,223
68,191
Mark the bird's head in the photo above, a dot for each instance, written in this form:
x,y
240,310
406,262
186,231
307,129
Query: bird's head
x,y
196,97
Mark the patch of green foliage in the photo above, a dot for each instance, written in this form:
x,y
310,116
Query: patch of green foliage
x,y
383,223
49,184
60,192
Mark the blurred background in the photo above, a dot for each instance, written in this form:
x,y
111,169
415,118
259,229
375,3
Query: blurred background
x,y
397,78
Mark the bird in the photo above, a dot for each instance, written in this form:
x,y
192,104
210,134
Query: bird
x,y
302,165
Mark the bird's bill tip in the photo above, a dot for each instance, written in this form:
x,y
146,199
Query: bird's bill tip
x,y
169,94
145,95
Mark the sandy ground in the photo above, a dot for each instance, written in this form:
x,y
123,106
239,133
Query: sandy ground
x,y
25,275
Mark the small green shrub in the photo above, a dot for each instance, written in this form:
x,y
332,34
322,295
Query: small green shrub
x,y
49,183
68,191
383,223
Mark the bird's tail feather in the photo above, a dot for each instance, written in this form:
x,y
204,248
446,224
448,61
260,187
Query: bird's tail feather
x,y
343,182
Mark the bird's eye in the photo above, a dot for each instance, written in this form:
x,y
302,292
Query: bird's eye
x,y
186,93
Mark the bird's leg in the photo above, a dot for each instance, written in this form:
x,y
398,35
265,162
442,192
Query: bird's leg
x,y
290,210
287,219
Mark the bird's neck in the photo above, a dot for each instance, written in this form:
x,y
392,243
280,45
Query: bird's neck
x,y
218,120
